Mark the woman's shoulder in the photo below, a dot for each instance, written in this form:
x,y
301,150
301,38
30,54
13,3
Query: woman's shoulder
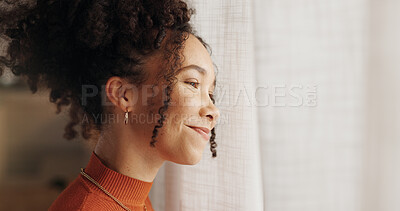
x,y
80,195
73,197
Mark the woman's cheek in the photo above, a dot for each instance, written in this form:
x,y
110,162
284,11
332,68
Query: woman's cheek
x,y
191,100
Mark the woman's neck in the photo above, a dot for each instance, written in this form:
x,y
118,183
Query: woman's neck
x,y
133,158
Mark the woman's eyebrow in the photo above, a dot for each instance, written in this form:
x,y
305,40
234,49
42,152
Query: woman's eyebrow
x,y
199,69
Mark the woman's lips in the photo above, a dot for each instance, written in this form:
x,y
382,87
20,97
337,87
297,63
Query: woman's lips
x,y
202,131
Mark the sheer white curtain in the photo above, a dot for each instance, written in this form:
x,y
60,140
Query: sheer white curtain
x,y
313,141
309,96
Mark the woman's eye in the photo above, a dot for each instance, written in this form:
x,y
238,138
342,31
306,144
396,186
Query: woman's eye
x,y
194,84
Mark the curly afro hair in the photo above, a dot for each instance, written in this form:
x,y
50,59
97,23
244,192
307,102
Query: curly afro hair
x,y
64,44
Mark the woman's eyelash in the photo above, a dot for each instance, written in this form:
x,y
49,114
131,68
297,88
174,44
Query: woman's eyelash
x,y
196,84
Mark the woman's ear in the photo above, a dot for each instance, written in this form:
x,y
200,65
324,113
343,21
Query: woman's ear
x,y
121,93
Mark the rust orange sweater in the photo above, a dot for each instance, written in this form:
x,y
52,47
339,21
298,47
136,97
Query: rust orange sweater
x,y
81,194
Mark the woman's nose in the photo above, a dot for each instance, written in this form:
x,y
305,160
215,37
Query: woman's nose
x,y
210,111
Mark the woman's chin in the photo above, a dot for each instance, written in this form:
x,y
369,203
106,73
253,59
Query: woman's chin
x,y
192,160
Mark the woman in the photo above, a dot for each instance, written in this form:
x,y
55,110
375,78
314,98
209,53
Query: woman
x,y
137,79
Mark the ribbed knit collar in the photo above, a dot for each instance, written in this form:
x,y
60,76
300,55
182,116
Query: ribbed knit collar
x,y
122,187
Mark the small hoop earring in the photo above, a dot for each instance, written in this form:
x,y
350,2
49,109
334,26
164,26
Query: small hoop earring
x,y
126,117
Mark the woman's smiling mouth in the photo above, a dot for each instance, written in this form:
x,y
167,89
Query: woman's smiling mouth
x,y
204,132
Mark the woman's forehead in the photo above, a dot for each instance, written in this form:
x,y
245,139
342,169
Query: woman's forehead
x,y
196,54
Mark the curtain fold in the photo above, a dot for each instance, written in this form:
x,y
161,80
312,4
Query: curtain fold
x,y
381,168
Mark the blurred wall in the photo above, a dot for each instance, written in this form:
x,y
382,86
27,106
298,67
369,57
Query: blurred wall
x,y
36,162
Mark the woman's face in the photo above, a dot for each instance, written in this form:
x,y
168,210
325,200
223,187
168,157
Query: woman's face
x,y
191,106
